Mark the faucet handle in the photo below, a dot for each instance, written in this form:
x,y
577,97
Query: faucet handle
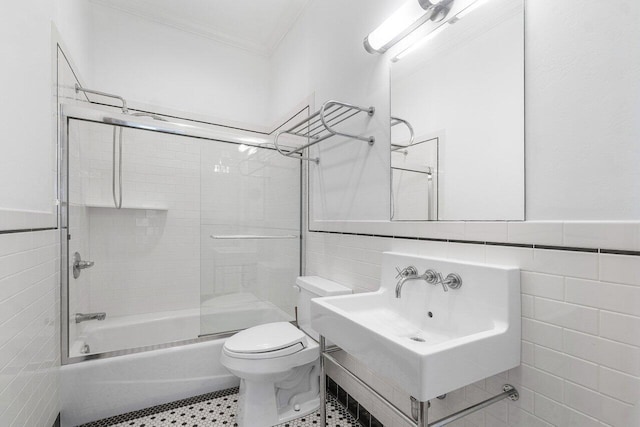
x,y
406,272
453,281
432,277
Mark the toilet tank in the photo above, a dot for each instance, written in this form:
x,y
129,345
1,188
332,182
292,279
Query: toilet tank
x,y
309,287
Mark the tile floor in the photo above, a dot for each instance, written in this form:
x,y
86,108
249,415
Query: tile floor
x,y
217,409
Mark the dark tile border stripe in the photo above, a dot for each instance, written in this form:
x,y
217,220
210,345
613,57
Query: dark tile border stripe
x,y
566,248
160,408
619,252
478,242
27,230
509,245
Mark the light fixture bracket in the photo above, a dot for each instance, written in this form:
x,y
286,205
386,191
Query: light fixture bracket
x,y
435,11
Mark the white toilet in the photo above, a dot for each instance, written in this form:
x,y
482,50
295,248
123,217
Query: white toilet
x,y
278,364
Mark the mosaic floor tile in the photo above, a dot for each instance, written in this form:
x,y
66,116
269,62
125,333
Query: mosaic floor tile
x,y
216,409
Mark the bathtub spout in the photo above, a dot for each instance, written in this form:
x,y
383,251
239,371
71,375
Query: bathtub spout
x,y
81,317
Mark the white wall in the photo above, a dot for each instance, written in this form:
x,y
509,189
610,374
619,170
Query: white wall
x,y
323,55
582,107
27,143
153,64
72,20
28,108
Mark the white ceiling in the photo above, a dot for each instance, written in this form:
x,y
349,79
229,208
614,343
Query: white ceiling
x,y
254,25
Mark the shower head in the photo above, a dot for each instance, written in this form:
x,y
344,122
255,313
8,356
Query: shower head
x,y
153,116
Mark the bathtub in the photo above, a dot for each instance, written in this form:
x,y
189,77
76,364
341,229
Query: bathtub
x,y
141,330
100,388
224,313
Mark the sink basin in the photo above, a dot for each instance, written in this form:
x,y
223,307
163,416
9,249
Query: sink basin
x,y
429,342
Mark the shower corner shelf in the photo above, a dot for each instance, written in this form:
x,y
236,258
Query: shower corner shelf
x,y
140,206
319,126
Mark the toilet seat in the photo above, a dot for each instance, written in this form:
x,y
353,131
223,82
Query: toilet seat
x,y
266,341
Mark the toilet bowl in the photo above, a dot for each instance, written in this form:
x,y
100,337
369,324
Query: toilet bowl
x,y
278,364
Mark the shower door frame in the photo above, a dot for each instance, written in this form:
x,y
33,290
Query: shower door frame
x,y
73,112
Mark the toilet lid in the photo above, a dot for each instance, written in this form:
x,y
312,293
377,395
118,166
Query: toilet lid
x,y
266,338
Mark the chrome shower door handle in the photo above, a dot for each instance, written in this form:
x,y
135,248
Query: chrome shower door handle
x,y
79,265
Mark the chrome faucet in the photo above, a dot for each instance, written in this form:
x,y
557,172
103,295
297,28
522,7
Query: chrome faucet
x,y
430,276
82,317
406,274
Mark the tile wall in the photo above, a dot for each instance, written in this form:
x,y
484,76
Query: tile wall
x,y
250,191
580,331
29,328
147,254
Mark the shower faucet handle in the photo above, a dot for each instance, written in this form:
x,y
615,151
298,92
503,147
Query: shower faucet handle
x,y
79,265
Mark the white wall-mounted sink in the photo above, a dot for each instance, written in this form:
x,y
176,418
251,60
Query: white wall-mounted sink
x,y
429,342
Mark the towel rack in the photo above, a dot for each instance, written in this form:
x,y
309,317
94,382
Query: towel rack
x,y
319,126
251,237
397,121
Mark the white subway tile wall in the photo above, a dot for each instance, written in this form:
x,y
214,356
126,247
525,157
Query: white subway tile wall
x,y
249,191
580,330
146,260
29,328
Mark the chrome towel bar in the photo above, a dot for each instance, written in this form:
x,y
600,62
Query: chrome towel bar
x,y
320,126
251,237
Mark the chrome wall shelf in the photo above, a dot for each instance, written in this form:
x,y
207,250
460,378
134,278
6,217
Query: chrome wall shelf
x,y
320,126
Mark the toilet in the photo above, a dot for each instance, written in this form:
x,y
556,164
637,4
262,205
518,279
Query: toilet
x,y
278,364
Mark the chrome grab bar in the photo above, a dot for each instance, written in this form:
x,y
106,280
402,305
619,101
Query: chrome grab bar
x,y
251,237
124,107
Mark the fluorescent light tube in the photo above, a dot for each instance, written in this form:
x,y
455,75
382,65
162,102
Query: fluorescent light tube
x,y
403,21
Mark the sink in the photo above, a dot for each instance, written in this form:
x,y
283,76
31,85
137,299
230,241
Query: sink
x,y
429,342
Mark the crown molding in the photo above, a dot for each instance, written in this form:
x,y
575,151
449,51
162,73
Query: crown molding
x,y
159,17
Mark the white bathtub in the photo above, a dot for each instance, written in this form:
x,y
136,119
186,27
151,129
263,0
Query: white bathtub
x,y
142,330
230,312
96,389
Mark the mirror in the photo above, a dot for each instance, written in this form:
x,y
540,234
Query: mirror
x,y
457,118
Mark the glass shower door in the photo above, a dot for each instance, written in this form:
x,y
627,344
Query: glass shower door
x,y
143,288
250,236
206,240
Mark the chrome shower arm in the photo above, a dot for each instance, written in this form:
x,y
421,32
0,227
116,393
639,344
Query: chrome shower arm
x,y
124,107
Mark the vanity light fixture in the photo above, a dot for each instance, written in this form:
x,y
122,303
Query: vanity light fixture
x,y
438,30
403,21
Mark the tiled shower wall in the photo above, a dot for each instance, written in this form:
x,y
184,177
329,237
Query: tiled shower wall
x,y
29,331
246,190
146,260
580,332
